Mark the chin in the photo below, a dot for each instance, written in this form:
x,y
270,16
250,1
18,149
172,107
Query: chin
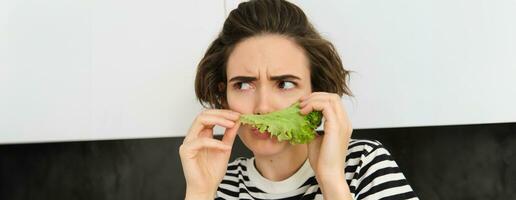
x,y
262,147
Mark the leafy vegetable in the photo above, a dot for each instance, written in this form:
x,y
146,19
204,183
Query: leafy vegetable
x,y
287,124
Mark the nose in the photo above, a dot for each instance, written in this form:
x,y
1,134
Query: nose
x,y
263,102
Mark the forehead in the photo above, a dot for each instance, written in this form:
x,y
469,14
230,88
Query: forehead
x,y
269,54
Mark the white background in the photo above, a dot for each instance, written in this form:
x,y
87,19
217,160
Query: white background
x,y
112,69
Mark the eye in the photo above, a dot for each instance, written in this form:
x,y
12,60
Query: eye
x,y
287,84
242,86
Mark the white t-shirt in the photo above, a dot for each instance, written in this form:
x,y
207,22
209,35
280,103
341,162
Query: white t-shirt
x,y
370,171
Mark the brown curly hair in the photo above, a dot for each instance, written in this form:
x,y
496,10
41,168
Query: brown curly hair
x,y
257,17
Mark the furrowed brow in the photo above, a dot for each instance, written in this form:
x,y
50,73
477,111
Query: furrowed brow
x,y
242,79
283,77
251,78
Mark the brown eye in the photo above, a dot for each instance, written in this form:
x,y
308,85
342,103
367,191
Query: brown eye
x,y
287,85
242,86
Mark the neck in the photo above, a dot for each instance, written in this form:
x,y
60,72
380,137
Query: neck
x,y
280,166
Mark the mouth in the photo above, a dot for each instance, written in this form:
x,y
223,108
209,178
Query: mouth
x,y
260,135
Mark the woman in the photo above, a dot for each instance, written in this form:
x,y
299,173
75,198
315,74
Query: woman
x,y
267,57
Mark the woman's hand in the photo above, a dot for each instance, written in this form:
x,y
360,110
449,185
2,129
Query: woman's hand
x,y
327,153
205,159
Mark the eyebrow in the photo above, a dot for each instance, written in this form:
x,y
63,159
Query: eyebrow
x,y
252,78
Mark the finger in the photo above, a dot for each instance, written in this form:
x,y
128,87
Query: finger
x,y
341,113
316,142
314,148
223,116
320,96
204,121
336,123
301,99
333,112
333,127
320,105
207,133
312,105
316,96
230,135
331,139
311,95
191,148
228,114
331,98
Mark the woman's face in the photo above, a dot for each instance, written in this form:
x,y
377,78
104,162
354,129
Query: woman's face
x,y
265,73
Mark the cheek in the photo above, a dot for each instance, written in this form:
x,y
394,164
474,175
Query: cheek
x,y
307,86
236,103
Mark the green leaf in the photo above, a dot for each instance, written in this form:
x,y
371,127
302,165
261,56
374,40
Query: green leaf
x,y
287,124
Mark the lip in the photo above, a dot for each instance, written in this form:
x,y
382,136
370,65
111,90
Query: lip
x,y
259,135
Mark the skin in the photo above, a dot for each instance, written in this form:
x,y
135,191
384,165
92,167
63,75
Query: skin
x,y
257,85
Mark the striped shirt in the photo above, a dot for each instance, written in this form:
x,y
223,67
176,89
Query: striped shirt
x,y
371,173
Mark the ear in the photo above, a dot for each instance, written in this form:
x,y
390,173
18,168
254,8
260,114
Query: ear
x,y
224,104
222,89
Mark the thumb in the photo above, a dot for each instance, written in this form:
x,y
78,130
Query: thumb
x,y
316,143
314,148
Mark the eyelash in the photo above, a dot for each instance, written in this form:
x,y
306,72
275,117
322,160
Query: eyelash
x,y
237,85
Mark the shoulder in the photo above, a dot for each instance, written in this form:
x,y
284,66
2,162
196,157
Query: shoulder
x,y
360,151
372,172
364,147
367,152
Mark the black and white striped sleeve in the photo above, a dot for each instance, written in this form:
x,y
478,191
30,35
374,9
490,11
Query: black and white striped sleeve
x,y
379,177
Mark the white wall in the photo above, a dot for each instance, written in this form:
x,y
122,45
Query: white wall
x,y
88,70
425,63
93,70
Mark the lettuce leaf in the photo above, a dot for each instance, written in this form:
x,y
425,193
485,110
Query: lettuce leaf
x,y
287,124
